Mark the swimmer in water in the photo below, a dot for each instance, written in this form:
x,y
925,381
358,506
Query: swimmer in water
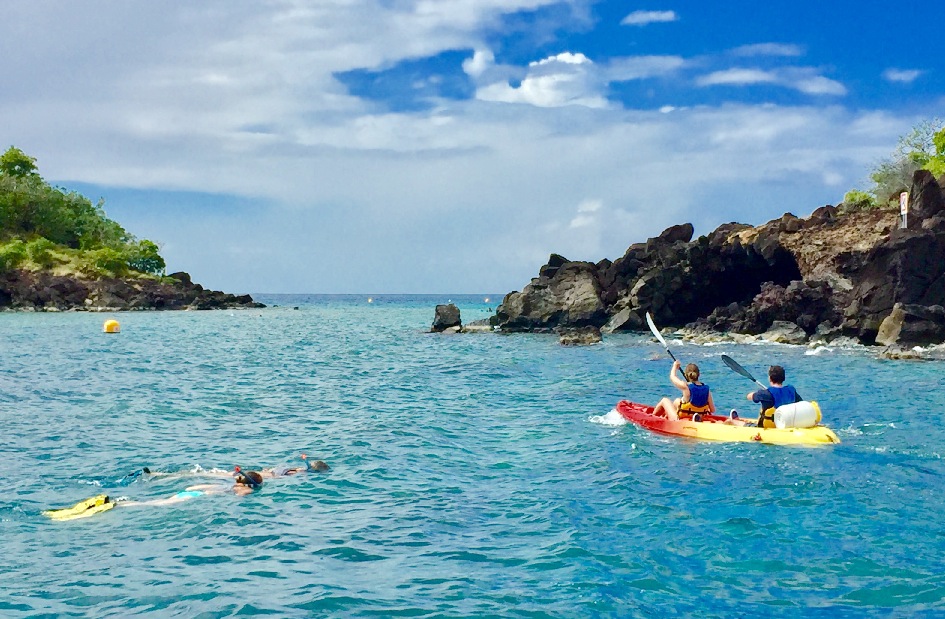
x,y
244,483
310,467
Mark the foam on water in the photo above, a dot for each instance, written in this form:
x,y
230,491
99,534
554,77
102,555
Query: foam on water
x,y
612,418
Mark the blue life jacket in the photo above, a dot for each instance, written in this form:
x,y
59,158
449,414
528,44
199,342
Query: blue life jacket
x,y
698,395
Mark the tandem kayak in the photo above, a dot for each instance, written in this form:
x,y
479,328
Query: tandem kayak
x,y
714,428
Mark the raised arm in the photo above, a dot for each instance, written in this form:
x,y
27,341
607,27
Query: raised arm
x,y
680,383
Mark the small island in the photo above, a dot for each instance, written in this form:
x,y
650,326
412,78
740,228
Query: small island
x,y
59,252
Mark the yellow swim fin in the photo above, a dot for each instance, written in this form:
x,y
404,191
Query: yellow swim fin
x,y
82,509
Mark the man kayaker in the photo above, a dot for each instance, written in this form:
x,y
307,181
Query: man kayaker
x,y
696,398
774,396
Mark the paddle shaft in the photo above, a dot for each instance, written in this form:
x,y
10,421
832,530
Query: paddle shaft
x,y
738,369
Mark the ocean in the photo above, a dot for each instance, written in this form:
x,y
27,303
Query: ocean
x,y
472,475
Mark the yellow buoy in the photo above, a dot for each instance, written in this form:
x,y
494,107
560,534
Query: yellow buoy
x,y
111,326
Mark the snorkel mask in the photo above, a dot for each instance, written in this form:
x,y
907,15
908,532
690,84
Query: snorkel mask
x,y
246,479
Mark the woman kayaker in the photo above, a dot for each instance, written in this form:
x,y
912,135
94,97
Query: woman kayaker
x,y
774,396
696,398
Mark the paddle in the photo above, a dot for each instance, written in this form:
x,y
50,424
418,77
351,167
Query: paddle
x,y
740,370
656,332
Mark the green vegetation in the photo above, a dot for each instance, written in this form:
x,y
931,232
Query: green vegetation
x,y
45,227
922,148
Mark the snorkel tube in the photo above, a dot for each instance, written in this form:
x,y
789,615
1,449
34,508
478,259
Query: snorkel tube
x,y
247,478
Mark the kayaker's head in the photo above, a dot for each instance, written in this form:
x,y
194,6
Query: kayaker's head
x,y
776,375
692,372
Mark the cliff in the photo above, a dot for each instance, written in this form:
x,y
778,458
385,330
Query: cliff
x,y
833,273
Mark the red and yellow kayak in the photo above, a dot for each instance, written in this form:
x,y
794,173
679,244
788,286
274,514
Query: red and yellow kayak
x,y
714,428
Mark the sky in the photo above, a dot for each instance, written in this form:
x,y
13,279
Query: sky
x,y
450,146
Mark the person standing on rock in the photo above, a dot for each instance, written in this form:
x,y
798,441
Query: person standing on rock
x,y
696,398
774,396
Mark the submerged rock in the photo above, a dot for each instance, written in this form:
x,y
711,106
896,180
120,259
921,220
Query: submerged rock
x,y
583,336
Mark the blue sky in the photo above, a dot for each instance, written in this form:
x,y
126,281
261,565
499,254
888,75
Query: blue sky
x,y
448,146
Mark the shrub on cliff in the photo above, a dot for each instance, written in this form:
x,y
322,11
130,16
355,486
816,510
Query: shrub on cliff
x,y
12,254
39,251
104,262
922,148
856,200
143,256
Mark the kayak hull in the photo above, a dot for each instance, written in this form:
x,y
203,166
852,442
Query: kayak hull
x,y
714,428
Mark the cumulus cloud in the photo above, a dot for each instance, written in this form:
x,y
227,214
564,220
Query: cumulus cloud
x,y
642,18
902,76
563,79
802,79
567,78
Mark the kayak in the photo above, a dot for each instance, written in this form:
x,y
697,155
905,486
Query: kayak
x,y
714,428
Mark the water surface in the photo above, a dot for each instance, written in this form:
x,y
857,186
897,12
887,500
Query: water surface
x,y
476,475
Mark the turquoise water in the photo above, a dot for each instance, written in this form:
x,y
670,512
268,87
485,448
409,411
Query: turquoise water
x,y
476,475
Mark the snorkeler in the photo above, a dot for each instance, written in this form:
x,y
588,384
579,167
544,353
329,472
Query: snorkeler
x,y
244,483
310,467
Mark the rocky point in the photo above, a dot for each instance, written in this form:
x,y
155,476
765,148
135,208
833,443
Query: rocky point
x,y
832,274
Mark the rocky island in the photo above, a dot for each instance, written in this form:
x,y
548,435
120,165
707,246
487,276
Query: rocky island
x,y
844,271
60,252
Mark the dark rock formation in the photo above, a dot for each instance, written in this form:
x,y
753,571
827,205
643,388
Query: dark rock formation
x,y
831,274
571,297
44,291
445,318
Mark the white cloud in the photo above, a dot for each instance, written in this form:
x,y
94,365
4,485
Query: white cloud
x,y
769,49
564,79
817,85
642,18
567,78
586,214
640,67
737,77
903,76
481,61
797,78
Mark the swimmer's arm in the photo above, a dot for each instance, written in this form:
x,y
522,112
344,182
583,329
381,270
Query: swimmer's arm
x,y
207,488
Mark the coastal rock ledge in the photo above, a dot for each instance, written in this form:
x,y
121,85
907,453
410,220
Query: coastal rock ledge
x,y
25,290
837,273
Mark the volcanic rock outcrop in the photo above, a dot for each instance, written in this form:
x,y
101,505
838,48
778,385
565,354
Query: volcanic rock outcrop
x,y
44,291
833,273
